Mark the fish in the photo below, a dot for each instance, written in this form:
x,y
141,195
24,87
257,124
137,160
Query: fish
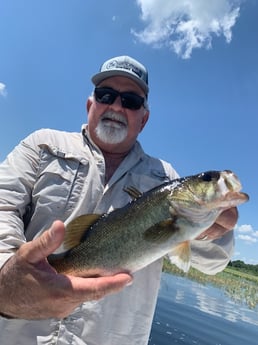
x,y
160,222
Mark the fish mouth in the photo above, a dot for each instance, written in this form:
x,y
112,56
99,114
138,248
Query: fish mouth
x,y
229,182
114,119
232,199
223,194
229,186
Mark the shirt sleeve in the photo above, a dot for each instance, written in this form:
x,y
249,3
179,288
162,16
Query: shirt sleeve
x,y
211,257
17,174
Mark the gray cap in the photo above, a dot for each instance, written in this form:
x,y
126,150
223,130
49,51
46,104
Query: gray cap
x,y
124,66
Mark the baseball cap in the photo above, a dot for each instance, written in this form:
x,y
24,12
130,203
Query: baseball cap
x,y
124,66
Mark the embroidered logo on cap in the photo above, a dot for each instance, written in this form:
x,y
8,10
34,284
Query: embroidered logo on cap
x,y
124,65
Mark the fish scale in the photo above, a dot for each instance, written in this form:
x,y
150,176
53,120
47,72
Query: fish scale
x,y
161,221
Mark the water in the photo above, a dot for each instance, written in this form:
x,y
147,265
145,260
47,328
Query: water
x,y
190,313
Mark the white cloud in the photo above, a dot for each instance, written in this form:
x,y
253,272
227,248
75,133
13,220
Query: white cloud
x,y
247,238
244,228
252,262
183,25
246,233
3,91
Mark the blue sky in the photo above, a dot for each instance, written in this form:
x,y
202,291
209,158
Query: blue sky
x,y
203,75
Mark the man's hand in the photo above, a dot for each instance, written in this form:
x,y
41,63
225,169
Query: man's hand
x,y
224,223
31,289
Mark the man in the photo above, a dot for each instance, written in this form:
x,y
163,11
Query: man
x,y
54,176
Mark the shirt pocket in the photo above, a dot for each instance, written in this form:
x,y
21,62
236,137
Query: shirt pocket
x,y
55,179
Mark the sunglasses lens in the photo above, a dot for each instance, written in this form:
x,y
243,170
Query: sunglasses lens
x,y
105,95
129,100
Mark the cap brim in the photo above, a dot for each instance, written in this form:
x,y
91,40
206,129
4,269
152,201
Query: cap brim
x,y
99,77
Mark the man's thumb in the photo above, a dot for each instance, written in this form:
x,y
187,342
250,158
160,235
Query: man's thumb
x,y
45,244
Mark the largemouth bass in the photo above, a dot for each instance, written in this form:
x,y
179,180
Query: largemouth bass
x,y
161,221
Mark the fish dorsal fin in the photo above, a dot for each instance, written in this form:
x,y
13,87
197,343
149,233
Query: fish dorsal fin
x,y
161,232
133,192
77,228
181,256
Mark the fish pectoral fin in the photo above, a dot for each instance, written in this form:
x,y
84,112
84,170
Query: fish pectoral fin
x,y
76,229
160,232
181,255
133,192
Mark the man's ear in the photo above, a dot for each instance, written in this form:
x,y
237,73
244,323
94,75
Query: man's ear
x,y
88,104
145,119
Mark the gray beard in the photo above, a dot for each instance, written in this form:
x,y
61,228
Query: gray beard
x,y
112,132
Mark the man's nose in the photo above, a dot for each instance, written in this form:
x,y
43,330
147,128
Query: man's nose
x,y
117,103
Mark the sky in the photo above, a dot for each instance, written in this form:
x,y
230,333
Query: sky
x,y
202,58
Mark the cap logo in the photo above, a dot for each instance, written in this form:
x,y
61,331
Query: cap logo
x,y
124,65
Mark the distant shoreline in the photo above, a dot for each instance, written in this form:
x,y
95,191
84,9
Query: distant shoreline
x,y
240,286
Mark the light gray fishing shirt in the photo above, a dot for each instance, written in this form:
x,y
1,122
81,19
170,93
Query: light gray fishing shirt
x,y
59,175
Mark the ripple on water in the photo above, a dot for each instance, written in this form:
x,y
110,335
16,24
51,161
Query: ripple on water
x,y
190,313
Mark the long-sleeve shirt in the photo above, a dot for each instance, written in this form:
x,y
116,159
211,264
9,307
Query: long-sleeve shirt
x,y
59,175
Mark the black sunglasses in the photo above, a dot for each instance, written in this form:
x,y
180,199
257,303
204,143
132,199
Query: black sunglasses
x,y
129,100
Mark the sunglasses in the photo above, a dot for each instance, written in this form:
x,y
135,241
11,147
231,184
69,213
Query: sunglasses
x,y
129,100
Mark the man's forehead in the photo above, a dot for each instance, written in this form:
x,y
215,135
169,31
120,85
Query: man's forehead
x,y
118,82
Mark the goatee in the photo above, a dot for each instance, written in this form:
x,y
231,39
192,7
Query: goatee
x,y
112,128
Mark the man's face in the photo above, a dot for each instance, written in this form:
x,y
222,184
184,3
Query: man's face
x,y
113,127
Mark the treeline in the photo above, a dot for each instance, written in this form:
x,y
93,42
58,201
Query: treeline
x,y
243,267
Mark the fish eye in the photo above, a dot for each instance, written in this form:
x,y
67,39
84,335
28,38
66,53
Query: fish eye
x,y
210,175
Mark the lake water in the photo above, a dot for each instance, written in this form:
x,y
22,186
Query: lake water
x,y
190,313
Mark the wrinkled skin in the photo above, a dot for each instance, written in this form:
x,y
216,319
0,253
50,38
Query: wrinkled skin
x,y
224,223
57,295
31,289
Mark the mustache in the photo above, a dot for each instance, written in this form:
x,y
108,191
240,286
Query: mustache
x,y
114,116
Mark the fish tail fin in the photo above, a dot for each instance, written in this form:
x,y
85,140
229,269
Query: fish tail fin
x,y
181,255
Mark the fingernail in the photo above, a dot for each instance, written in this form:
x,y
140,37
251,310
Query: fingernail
x,y
52,231
129,282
